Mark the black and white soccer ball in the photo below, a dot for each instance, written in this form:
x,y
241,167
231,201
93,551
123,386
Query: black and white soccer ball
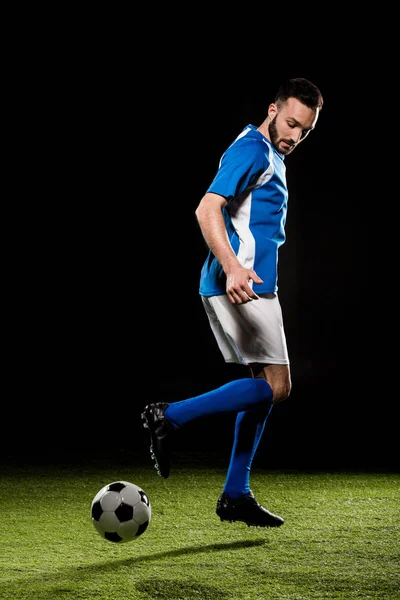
x,y
121,511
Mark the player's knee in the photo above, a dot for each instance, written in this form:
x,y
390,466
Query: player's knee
x,y
281,392
279,379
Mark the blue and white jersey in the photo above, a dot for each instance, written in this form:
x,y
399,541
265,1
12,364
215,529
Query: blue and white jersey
x,y
252,178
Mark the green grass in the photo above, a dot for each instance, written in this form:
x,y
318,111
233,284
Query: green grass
x,y
340,538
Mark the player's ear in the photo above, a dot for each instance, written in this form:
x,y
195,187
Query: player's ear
x,y
272,110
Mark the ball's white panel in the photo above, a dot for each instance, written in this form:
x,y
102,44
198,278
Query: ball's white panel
x,y
110,500
130,494
109,521
128,530
142,513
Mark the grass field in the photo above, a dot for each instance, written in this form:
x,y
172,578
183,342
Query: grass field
x,y
341,537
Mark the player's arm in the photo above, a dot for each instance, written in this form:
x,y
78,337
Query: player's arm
x,y
211,221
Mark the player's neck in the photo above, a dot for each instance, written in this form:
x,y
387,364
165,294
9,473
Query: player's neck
x,y
264,129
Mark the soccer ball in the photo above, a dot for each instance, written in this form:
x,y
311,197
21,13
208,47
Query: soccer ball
x,y
120,511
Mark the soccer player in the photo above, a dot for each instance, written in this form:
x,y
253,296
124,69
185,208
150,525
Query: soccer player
x,y
242,219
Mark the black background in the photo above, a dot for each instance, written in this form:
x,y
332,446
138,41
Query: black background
x,y
104,310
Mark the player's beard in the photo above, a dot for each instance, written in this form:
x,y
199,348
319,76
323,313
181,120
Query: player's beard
x,y
274,137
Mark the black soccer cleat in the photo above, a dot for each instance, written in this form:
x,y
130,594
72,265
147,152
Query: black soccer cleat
x,y
246,509
159,428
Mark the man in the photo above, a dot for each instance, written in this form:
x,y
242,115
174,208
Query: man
x,y
242,219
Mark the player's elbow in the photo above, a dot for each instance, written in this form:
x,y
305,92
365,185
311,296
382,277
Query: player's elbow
x,y
200,214
209,204
197,213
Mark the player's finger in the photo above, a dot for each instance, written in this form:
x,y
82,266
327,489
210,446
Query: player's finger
x,y
242,297
234,297
255,277
250,293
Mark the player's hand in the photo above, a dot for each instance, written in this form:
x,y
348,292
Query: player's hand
x,y
237,285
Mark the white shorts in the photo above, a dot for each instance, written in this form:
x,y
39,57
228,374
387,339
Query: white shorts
x,y
248,333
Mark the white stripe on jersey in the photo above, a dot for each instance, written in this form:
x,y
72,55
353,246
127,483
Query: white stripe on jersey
x,y
241,221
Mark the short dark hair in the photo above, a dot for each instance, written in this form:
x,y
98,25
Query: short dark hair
x,y
302,89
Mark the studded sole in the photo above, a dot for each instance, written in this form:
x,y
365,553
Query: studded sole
x,y
152,455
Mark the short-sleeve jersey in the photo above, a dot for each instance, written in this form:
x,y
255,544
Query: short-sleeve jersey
x,y
252,178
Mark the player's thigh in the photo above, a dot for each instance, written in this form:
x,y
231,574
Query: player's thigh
x,y
253,332
221,330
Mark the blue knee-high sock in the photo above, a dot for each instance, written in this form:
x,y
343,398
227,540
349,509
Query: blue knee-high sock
x,y
249,428
234,396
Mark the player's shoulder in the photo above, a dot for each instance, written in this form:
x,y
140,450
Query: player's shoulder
x,y
251,139
249,134
249,147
